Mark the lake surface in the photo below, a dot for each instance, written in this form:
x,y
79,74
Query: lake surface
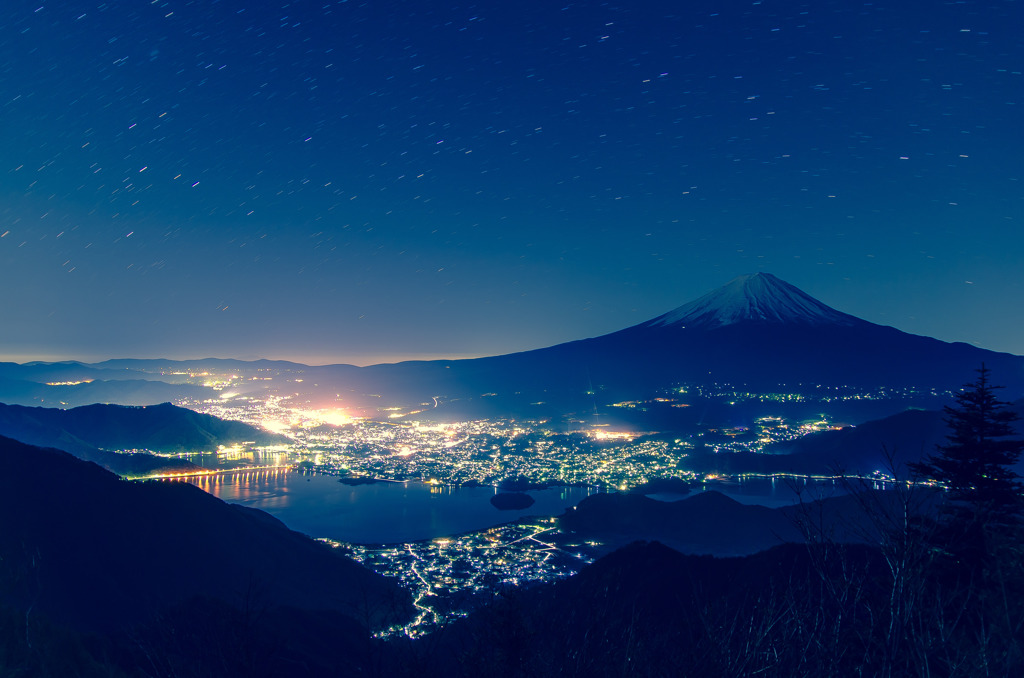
x,y
378,513
386,512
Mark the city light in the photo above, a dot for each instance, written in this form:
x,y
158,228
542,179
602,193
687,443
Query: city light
x,y
388,445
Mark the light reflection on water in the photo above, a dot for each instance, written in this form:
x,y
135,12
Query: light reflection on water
x,y
382,512
393,512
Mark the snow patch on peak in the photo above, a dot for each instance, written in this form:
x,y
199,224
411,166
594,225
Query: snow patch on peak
x,y
759,297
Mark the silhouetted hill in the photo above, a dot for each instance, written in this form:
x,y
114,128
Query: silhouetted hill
x,y
885,445
904,437
103,552
708,522
647,610
100,555
670,485
162,428
861,449
712,523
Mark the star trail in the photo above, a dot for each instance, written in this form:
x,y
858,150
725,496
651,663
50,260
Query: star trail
x,y
373,181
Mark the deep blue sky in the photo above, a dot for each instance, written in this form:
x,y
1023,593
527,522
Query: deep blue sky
x,y
365,181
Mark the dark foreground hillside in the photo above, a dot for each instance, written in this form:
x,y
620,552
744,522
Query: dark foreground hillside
x,y
102,577
167,579
794,610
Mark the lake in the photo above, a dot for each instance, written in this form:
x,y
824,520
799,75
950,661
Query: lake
x,y
377,513
394,512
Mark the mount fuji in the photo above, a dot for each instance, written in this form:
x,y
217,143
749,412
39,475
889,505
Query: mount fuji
x,y
757,332
758,298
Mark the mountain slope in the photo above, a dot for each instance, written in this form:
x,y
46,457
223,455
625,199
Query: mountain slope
x,y
83,431
757,331
647,610
161,428
759,297
877,445
98,553
712,523
706,523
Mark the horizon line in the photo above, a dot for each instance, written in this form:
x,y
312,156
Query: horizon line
x,y
308,361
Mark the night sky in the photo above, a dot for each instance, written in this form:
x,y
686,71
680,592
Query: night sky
x,y
371,181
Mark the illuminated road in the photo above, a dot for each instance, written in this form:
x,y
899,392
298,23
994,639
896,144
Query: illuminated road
x,y
421,593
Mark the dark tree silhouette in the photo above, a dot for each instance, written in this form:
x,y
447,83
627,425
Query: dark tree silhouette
x,y
976,577
975,464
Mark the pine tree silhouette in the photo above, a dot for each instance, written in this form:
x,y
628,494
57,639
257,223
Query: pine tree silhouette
x,y
975,464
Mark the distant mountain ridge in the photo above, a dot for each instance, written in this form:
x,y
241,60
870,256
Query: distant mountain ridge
x,y
756,333
876,445
713,524
90,432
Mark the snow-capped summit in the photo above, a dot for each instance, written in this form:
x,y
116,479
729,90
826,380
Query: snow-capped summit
x,y
759,297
